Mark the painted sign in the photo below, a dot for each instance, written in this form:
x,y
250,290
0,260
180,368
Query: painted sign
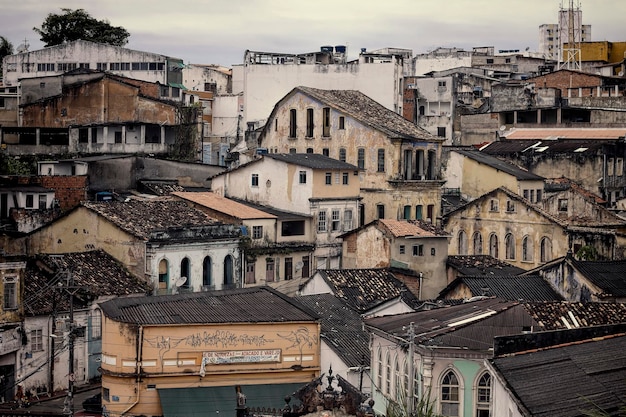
x,y
241,356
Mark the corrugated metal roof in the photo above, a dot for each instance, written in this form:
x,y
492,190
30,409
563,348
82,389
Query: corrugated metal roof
x,y
610,276
312,160
249,305
224,205
555,315
527,287
342,328
564,381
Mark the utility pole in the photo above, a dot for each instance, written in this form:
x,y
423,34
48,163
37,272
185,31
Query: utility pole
x,y
410,400
70,289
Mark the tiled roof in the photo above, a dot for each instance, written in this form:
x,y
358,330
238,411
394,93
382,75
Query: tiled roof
x,y
224,205
485,159
363,108
412,228
467,325
341,327
280,214
527,288
475,265
567,380
558,133
139,217
609,276
555,315
364,289
96,273
160,187
247,305
312,160
554,184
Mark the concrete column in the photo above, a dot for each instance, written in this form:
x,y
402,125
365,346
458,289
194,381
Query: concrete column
x,y
142,135
538,116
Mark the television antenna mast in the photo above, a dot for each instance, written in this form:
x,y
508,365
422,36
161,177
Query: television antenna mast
x,y
570,36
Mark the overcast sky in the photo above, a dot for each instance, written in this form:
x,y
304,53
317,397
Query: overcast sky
x,y
220,31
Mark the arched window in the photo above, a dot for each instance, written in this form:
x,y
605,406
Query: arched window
x,y
164,275
398,381
509,246
527,249
406,376
185,272
381,369
478,243
228,271
449,394
388,374
483,395
207,279
493,245
462,243
546,249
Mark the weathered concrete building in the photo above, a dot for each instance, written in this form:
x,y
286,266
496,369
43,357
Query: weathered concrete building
x,y
191,359
398,162
507,226
81,54
412,245
323,189
160,240
265,77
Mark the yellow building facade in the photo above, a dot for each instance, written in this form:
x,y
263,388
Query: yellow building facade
x,y
183,354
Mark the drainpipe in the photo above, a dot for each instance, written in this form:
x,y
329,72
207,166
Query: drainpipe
x,y
138,365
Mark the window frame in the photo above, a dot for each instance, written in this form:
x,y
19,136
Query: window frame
x,y
254,180
322,221
257,232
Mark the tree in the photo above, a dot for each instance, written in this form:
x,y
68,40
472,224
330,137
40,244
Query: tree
x,y
6,48
77,24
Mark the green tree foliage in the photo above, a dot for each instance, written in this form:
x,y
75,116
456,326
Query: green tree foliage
x,y
425,407
77,24
6,48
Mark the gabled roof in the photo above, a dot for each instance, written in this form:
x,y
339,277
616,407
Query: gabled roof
x,y
96,273
467,325
495,163
513,196
341,327
609,276
224,205
312,160
369,112
140,217
527,288
568,379
245,305
364,289
558,184
476,265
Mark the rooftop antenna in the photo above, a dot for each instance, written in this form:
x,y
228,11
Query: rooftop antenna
x,y
570,36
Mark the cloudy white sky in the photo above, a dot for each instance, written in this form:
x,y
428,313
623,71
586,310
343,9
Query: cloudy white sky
x,y
220,31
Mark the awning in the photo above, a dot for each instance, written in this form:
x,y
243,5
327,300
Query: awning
x,y
220,401
177,85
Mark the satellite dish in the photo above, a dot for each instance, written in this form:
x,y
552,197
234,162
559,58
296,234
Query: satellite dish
x,y
621,73
299,265
180,281
502,128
